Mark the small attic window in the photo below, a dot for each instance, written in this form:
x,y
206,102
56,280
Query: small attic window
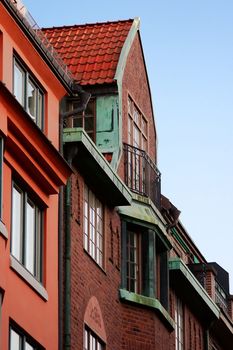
x,y
86,119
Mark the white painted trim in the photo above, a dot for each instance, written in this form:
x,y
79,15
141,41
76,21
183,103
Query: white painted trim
x,y
119,75
3,230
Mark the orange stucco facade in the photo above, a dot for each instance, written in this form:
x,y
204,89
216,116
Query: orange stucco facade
x,y
30,158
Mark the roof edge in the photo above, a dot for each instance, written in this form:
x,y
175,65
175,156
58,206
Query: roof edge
x,y
126,48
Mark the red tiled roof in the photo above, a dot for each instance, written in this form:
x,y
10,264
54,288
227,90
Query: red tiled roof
x,y
90,51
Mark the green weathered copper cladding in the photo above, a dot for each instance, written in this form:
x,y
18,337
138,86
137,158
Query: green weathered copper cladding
x,y
151,303
143,214
91,161
179,239
184,279
107,126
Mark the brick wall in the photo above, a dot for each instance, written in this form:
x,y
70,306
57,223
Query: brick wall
x,y
135,84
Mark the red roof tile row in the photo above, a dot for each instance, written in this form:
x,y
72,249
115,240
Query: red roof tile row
x,y
91,51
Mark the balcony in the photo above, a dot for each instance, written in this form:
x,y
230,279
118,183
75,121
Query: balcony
x,y
220,297
141,174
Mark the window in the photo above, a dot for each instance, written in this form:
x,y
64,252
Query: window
x,y
91,341
86,119
144,262
179,333
1,168
26,243
137,127
19,341
28,93
93,226
133,262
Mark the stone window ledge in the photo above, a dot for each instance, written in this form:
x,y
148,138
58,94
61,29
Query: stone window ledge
x,y
28,277
3,230
152,303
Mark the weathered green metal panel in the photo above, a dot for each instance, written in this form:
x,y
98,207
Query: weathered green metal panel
x,y
107,123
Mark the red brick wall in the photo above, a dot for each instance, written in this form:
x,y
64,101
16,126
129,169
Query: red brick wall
x,y
126,326
135,84
88,279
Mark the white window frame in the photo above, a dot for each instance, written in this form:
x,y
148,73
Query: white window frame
x,y
179,324
24,99
93,226
92,341
24,342
24,237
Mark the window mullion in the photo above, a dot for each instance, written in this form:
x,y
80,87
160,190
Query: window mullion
x,y
24,233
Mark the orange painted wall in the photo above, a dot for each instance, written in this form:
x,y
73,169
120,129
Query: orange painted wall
x,y
21,303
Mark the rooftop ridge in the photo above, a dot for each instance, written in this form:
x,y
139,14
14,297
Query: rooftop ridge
x,y
88,24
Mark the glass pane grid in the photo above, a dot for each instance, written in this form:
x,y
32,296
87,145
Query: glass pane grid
x,y
26,244
93,226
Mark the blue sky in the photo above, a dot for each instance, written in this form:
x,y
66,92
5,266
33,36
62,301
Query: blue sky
x,y
189,55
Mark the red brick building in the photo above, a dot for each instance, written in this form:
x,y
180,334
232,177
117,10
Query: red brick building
x,y
107,264
133,278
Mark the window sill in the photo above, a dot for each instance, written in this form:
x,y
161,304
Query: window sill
x,y
28,277
3,230
152,303
94,261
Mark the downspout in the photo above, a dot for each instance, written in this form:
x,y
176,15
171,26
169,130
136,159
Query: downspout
x,y
67,277
71,153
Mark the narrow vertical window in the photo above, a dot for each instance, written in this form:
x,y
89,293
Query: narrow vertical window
x,y
86,119
19,83
28,93
93,226
26,240
133,262
179,332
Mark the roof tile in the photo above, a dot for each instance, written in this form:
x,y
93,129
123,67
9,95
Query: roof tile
x,y
91,51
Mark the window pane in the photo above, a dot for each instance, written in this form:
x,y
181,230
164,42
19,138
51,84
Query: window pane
x,y
38,246
14,340
30,238
31,99
19,78
28,346
17,223
40,110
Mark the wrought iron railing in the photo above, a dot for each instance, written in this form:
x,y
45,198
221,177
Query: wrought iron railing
x,y
220,297
141,174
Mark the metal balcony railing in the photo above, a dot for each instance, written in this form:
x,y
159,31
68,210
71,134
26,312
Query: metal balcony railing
x,y
220,297
141,174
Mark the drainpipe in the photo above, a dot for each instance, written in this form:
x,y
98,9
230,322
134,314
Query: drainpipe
x,y
65,302
71,153
67,279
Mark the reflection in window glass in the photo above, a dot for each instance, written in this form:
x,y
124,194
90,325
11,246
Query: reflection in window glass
x,y
30,238
26,244
28,93
19,79
15,341
93,226
17,224
31,96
